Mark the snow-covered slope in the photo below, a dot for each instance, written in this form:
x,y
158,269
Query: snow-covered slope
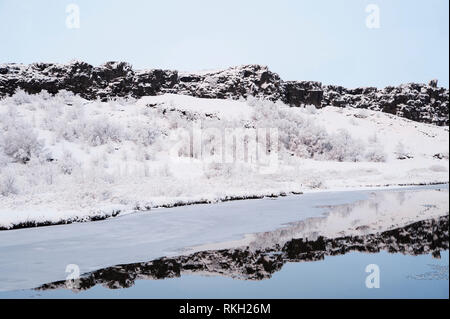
x,y
64,158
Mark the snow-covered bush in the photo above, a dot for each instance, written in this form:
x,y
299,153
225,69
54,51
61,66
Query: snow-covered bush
x,y
225,170
375,154
345,148
100,131
8,183
301,137
143,134
375,150
401,152
18,140
21,97
313,180
67,163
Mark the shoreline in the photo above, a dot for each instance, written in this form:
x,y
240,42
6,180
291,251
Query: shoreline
x,y
120,212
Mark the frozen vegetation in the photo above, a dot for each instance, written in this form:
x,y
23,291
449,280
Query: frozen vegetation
x,y
64,158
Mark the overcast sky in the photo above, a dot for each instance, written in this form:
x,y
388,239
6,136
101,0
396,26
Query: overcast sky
x,y
323,40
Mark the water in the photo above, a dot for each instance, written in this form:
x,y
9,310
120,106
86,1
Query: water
x,y
245,249
334,277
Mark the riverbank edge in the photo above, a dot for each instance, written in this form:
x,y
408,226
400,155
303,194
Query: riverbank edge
x,y
103,215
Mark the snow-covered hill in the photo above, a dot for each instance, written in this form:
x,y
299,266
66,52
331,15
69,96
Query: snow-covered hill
x,y
64,158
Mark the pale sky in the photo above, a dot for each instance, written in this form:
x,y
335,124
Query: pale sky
x,y
322,40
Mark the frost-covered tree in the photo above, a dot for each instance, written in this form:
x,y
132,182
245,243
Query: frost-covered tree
x,y
18,140
8,184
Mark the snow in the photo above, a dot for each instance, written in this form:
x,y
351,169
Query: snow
x,y
228,109
34,256
420,139
63,158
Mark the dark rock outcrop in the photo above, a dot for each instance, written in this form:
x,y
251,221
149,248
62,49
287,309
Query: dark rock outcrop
x,y
418,102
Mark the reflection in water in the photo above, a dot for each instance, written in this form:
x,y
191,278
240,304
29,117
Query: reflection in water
x,y
423,237
382,211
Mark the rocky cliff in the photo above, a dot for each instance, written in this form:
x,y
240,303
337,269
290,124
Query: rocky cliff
x,y
418,102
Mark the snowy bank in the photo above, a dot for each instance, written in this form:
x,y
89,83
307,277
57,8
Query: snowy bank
x,y
67,159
